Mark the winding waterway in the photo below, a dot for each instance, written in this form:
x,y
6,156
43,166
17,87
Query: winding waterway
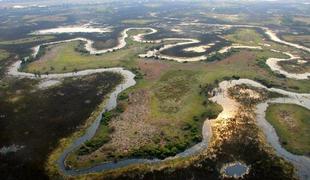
x,y
229,105
273,63
89,43
156,53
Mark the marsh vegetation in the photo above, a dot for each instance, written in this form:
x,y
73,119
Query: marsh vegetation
x,y
166,112
292,125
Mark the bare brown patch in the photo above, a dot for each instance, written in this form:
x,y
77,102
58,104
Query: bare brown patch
x,y
286,118
132,129
152,69
105,44
242,56
52,52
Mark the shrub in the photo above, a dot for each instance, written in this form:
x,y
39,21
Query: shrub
x,y
122,97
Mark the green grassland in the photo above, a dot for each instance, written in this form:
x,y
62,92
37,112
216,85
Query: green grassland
x,y
3,54
138,21
239,18
152,5
51,18
27,40
292,124
251,37
68,60
226,17
245,37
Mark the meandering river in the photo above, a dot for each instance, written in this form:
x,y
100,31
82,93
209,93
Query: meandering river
x,y
229,105
156,53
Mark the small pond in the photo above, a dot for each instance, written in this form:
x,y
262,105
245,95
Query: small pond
x,y
235,169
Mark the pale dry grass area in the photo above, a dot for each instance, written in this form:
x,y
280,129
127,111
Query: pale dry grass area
x,y
132,129
250,93
247,95
52,53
